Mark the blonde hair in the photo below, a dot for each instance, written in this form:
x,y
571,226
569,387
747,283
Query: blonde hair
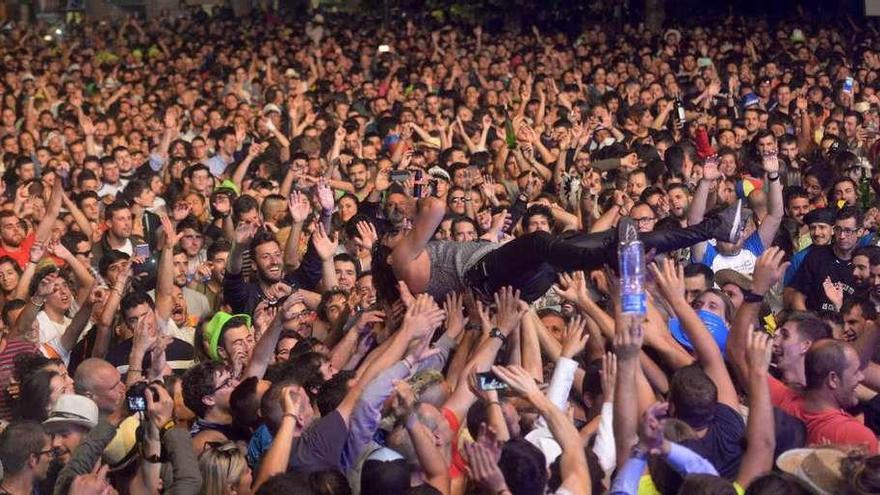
x,y
222,465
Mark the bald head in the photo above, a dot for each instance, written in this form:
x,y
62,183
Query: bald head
x,y
99,380
824,357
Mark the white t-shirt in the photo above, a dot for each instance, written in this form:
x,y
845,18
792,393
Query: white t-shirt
x,y
51,332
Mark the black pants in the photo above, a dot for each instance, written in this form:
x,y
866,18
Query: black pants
x,y
532,262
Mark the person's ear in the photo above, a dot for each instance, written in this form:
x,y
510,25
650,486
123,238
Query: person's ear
x,y
209,401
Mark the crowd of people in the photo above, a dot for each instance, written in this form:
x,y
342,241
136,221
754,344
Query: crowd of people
x,y
319,255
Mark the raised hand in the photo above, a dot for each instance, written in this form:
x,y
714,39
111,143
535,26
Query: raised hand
x,y
454,309
325,246
47,285
483,468
710,168
94,483
572,287
509,311
36,252
770,162
366,319
404,399
181,210
651,428
325,196
519,380
575,337
299,207
609,375
769,269
171,235
670,279
833,291
628,337
367,235
244,232
759,351
160,405
423,316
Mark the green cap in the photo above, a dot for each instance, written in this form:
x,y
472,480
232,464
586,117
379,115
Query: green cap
x,y
212,331
227,184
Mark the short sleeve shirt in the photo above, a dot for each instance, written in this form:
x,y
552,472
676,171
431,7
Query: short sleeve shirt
x,y
834,426
722,445
822,263
320,447
742,262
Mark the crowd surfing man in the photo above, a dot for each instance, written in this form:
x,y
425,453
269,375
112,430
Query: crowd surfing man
x,y
288,262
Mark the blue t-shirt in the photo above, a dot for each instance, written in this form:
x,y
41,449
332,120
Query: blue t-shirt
x,y
742,262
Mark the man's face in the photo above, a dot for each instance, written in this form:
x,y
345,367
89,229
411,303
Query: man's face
x,y
821,233
694,286
201,181
346,274
735,293
848,380
66,440
644,217
464,232
179,312
110,173
224,384
11,231
358,175
109,390
238,344
846,234
789,346
797,208
180,267
44,459
538,223
555,325
60,298
850,124
767,144
678,202
861,272
120,223
218,265
752,122
789,150
846,191
270,261
635,184
192,241
854,323
457,202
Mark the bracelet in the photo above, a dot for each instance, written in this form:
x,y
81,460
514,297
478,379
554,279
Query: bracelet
x,y
494,402
773,177
136,370
37,305
168,426
291,415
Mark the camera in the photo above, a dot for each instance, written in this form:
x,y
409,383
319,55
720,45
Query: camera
x,y
135,396
490,381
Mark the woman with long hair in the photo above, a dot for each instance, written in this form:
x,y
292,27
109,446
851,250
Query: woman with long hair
x,y
224,470
530,263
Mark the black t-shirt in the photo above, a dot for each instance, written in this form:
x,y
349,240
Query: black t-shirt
x,y
723,443
817,266
320,447
179,356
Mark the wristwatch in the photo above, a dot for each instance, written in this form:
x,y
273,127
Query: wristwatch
x,y
751,297
498,334
773,177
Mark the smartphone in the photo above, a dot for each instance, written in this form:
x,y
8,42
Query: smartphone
x,y
399,175
490,381
848,85
417,188
142,251
384,48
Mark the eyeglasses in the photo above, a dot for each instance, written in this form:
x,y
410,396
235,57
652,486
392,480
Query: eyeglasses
x,y
52,451
644,219
228,382
455,199
845,231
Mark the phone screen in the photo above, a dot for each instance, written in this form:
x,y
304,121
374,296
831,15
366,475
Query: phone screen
x,y
490,381
142,251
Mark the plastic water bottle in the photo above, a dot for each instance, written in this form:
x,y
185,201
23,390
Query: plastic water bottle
x,y
631,257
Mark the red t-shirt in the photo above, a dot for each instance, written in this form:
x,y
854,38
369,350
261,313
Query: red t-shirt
x,y
830,427
23,253
458,463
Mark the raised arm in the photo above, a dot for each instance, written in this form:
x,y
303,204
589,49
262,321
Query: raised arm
x,y
775,206
670,279
430,214
760,435
627,344
165,273
44,229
